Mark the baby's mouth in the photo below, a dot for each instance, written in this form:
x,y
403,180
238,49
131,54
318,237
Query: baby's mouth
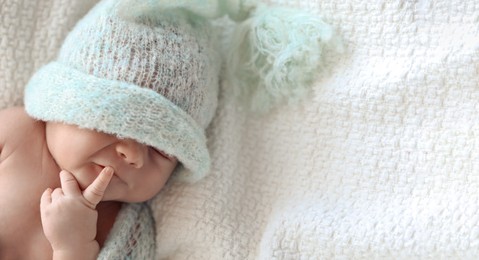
x,y
98,168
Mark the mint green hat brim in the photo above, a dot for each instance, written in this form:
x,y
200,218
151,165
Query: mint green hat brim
x,y
59,93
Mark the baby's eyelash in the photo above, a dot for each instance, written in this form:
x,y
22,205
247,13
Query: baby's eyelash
x,y
156,150
160,152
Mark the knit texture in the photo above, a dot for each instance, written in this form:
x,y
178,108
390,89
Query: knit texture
x,y
30,35
273,53
380,162
132,235
150,78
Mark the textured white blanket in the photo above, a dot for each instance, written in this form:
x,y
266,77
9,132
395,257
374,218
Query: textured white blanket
x,y
381,161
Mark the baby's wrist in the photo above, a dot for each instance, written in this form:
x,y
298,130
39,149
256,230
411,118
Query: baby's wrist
x,y
88,251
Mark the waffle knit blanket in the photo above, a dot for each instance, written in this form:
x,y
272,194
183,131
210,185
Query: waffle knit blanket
x,y
380,162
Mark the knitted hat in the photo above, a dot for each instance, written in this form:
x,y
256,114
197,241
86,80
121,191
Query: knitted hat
x,y
148,70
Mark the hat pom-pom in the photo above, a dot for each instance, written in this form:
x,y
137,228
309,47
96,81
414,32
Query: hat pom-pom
x,y
275,54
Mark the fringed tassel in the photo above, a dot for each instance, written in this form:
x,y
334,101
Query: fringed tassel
x,y
275,55
275,52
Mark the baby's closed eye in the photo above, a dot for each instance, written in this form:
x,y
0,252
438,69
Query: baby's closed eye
x,y
160,152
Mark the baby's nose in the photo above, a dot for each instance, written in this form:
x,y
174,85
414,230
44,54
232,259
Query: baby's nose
x,y
131,152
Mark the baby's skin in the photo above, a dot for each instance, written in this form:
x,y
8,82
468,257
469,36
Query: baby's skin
x,y
62,186
68,208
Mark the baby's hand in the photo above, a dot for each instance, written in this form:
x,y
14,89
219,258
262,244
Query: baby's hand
x,y
69,217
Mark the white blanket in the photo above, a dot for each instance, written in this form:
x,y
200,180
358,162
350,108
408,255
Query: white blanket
x,y
381,161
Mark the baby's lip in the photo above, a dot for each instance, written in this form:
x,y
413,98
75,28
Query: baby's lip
x,y
100,168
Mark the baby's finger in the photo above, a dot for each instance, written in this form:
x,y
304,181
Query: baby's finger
x,y
56,194
46,198
69,184
94,193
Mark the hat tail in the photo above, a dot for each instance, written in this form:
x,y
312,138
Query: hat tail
x,y
275,54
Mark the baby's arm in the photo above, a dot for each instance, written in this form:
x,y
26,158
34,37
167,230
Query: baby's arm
x,y
69,217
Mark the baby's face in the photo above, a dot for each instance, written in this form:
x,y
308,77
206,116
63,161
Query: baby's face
x,y
140,171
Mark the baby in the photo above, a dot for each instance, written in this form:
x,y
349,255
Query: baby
x,y
33,153
123,106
